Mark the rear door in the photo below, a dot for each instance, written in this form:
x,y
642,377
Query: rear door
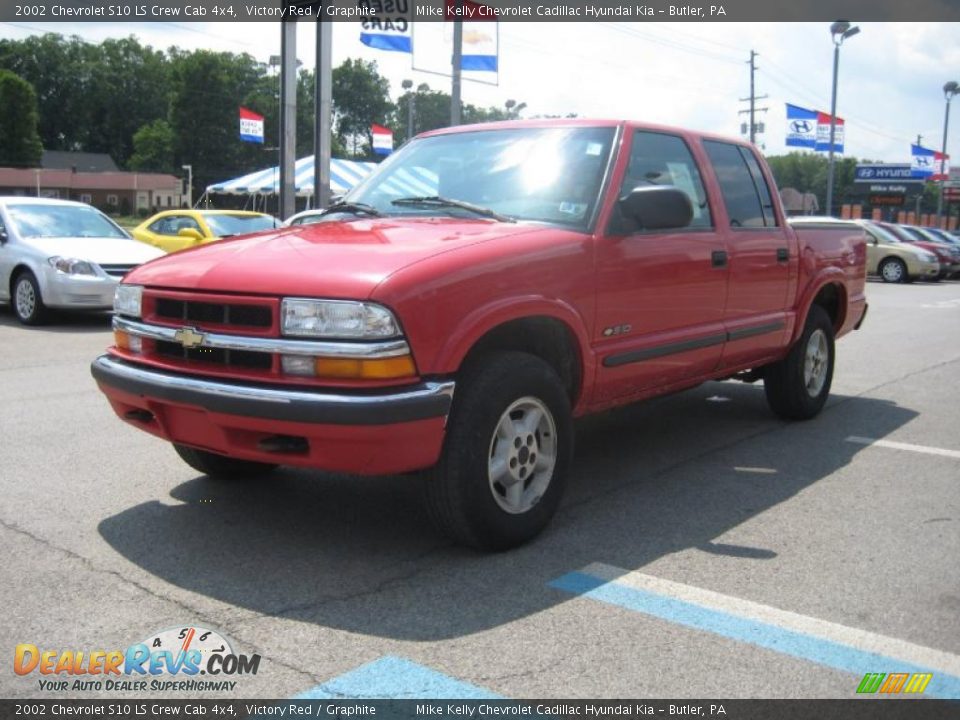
x,y
660,294
762,255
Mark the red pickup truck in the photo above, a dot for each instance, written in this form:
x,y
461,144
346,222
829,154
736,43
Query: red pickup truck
x,y
482,288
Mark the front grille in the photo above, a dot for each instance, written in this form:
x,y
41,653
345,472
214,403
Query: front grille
x,y
214,313
117,271
216,356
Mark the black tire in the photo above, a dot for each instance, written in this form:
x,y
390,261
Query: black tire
x,y
461,498
221,467
26,301
893,270
790,393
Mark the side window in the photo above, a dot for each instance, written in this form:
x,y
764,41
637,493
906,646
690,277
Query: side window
x,y
741,196
159,227
659,159
766,203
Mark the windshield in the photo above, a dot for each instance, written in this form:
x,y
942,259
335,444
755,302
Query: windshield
x,y
547,174
225,225
36,220
883,234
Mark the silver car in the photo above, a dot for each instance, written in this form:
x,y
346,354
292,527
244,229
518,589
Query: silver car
x,y
62,254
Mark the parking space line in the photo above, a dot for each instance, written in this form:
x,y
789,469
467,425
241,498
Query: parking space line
x,y
926,449
396,678
825,643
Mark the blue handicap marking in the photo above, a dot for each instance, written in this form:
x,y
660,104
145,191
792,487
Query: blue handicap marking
x,y
396,678
822,651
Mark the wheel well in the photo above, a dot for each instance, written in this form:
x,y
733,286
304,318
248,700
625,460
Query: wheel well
x,y
546,338
14,274
829,298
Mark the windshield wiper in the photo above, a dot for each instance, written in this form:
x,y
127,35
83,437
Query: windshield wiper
x,y
355,208
438,201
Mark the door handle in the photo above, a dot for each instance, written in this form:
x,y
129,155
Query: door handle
x,y
783,255
718,258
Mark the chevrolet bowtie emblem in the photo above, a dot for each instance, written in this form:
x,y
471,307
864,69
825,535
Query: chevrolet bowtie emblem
x,y
188,337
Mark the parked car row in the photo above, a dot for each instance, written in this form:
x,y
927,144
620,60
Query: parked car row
x,y
905,253
62,254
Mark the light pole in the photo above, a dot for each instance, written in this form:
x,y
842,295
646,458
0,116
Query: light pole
x,y
408,86
189,169
840,31
949,90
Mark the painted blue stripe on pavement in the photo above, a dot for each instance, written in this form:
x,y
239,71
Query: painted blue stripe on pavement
x,y
396,678
789,642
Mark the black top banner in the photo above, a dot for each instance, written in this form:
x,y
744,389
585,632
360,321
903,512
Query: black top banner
x,y
469,10
358,709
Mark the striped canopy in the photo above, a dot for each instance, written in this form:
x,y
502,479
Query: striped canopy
x,y
344,174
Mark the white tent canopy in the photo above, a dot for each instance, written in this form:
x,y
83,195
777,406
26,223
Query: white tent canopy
x,y
344,174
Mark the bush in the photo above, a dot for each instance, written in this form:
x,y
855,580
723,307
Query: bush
x,y
143,212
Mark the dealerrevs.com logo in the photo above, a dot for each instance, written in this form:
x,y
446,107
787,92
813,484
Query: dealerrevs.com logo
x,y
170,660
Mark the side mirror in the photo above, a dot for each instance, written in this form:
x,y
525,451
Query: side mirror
x,y
3,236
191,233
657,207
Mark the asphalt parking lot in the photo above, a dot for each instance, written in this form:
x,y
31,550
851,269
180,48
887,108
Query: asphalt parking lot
x,y
705,548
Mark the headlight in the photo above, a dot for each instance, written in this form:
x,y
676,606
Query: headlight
x,y
336,319
928,257
126,300
72,266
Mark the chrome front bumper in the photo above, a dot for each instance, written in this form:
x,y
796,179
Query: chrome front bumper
x,y
418,402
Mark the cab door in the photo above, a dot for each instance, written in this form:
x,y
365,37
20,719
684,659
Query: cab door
x,y
660,294
763,256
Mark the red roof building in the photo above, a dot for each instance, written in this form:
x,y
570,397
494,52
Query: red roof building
x,y
124,192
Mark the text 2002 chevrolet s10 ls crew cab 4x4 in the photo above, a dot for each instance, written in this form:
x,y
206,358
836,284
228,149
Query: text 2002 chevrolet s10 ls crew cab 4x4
x,y
486,285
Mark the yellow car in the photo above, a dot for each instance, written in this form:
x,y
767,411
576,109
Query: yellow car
x,y
173,230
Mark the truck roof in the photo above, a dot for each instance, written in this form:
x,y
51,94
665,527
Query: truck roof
x,y
584,122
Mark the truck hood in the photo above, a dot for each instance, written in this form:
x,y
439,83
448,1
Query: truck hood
x,y
345,259
118,251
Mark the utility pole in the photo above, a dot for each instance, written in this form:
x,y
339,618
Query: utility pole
x,y
920,191
455,104
752,112
288,117
323,110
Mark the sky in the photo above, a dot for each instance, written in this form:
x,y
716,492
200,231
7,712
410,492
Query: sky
x,y
685,74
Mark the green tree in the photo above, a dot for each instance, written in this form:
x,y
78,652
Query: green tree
x,y
19,140
153,148
360,99
59,70
432,111
128,88
807,173
207,89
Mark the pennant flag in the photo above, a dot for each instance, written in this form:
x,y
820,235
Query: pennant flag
x,y
251,126
929,164
382,139
823,134
801,127
387,34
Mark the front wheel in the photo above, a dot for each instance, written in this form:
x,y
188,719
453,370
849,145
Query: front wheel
x,y
893,270
508,446
221,467
798,386
28,305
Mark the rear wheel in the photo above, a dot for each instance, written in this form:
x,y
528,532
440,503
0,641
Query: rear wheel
x,y
27,303
893,270
221,467
798,386
505,459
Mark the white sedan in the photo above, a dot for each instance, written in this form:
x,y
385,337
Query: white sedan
x,y
62,254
